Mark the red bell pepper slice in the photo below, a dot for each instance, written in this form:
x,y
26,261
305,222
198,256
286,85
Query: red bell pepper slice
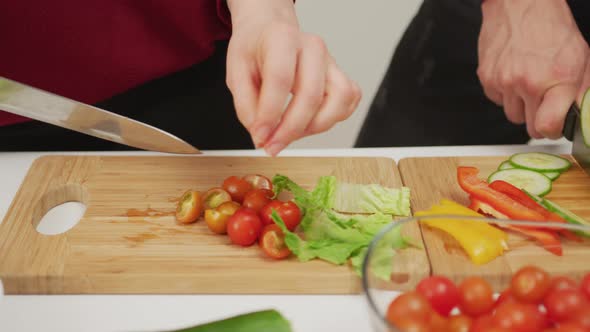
x,y
524,199
470,183
548,239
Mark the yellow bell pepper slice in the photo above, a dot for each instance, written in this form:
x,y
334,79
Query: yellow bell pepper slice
x,y
481,241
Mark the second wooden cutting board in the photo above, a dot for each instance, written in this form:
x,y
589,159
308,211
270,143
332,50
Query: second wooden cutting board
x,y
433,179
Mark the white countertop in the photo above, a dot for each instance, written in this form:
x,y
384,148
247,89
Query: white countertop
x,y
137,313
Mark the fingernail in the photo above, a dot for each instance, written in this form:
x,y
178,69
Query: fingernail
x,y
275,148
261,135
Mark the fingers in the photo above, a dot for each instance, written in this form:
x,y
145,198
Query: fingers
x,y
278,66
342,98
308,94
552,111
244,88
514,109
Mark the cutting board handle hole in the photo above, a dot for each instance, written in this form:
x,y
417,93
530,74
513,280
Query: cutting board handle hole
x,y
60,209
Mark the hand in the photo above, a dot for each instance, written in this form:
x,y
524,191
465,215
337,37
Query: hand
x,y
533,60
270,58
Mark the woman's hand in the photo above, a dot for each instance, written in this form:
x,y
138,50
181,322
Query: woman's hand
x,y
533,60
270,59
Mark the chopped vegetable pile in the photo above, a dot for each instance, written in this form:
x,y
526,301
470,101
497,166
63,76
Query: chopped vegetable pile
x,y
534,301
334,222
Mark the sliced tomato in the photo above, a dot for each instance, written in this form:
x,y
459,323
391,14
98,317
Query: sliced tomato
x,y
258,181
189,207
272,242
470,183
548,239
215,197
217,218
237,188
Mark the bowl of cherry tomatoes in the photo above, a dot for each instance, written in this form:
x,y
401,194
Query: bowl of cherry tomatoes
x,y
531,299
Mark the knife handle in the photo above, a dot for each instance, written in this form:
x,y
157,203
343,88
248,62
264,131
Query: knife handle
x,y
569,126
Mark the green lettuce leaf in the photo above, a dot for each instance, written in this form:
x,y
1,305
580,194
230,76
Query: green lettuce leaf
x,y
372,198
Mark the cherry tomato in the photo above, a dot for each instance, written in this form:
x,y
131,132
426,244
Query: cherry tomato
x,y
189,207
441,292
258,181
562,282
409,305
288,211
519,317
570,327
438,322
586,286
256,199
459,323
272,242
530,284
482,323
476,296
581,318
215,197
237,188
563,304
505,296
412,325
244,227
217,218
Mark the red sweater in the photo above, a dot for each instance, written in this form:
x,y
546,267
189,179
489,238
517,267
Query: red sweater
x,y
93,49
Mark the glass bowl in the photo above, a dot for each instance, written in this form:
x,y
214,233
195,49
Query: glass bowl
x,y
389,269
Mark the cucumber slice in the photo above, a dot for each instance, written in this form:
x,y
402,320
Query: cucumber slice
x,y
505,165
540,162
585,118
531,181
508,165
552,175
568,215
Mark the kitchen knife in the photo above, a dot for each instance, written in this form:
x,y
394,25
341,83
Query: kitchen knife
x,y
572,130
47,107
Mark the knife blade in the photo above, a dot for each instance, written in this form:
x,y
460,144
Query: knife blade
x,y
37,104
572,130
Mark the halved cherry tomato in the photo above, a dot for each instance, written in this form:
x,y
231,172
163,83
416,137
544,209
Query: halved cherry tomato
x,y
272,242
476,296
258,181
237,188
217,218
189,207
519,317
214,197
564,304
530,284
244,227
288,211
256,199
441,292
411,305
586,286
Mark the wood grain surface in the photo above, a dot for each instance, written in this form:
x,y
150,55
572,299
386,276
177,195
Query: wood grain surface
x,y
432,179
128,240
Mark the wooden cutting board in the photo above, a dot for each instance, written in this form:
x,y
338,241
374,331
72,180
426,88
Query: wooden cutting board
x,y
432,179
128,240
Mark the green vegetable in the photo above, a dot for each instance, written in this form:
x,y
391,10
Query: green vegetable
x,y
259,321
330,235
566,214
540,162
531,181
372,198
585,118
508,165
